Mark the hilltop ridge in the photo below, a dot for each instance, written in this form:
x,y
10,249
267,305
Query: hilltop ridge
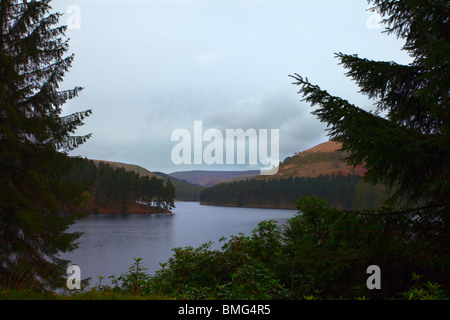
x,y
129,167
326,158
323,159
328,146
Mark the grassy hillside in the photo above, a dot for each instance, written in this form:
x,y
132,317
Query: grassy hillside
x,y
130,167
324,159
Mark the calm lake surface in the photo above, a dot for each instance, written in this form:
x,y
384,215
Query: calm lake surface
x,y
111,241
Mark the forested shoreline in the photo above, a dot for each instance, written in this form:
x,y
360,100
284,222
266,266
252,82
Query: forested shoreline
x,y
347,192
116,190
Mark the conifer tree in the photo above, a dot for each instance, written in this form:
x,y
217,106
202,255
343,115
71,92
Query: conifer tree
x,y
169,193
36,207
404,142
408,149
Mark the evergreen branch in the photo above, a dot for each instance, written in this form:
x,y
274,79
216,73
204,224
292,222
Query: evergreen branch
x,y
398,87
401,146
379,79
69,143
71,122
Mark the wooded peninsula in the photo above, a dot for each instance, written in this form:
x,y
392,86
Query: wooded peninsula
x,y
116,190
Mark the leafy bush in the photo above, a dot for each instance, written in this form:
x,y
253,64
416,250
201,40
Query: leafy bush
x,y
424,290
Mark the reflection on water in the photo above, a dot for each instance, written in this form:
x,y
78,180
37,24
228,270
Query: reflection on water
x,y
110,242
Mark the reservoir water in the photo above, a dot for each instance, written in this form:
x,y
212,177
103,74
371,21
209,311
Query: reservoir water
x,y
111,241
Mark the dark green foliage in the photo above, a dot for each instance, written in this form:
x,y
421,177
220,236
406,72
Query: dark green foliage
x,y
134,280
424,290
345,192
108,185
335,247
36,207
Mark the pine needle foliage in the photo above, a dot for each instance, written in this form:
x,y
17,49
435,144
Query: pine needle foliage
x,y
405,142
36,208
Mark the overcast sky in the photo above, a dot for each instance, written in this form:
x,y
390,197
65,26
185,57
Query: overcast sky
x,y
150,67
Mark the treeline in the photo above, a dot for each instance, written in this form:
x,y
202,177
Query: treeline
x,y
120,188
347,192
184,190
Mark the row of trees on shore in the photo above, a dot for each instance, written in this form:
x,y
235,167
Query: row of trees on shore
x,y
341,191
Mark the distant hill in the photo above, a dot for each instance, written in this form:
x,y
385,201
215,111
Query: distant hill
x,y
328,146
210,178
323,159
